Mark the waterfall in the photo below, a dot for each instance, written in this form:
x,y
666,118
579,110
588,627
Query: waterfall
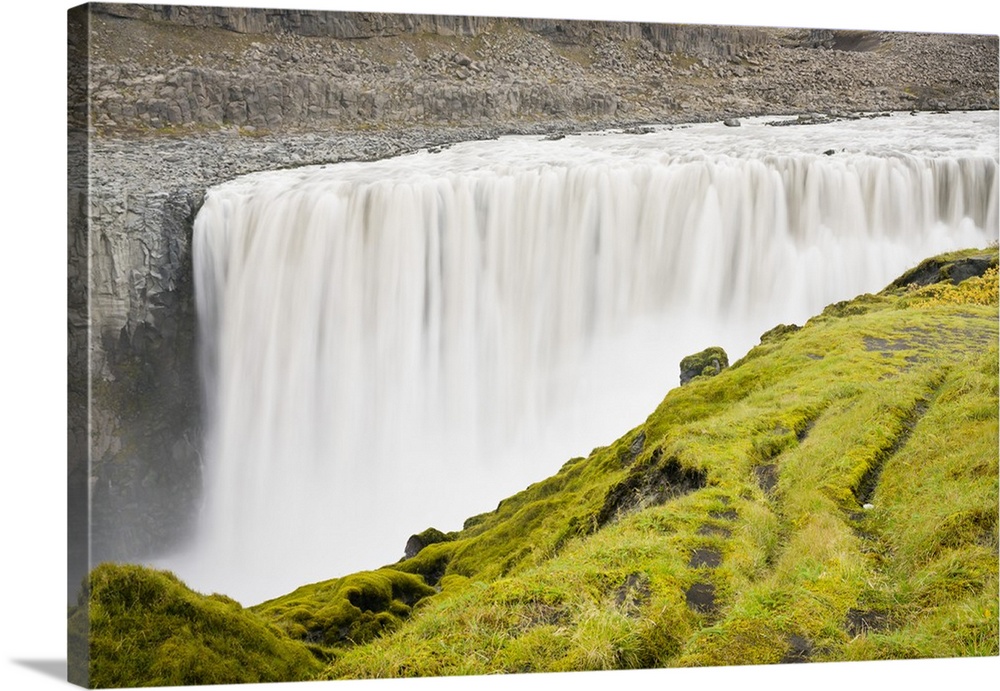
x,y
397,344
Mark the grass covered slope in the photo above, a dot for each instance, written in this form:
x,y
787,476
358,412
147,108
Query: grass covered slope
x,y
831,496
146,628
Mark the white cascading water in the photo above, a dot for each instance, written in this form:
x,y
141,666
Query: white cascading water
x,y
397,344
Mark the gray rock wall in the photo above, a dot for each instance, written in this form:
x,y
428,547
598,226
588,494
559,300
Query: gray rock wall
x,y
359,25
185,97
144,422
328,24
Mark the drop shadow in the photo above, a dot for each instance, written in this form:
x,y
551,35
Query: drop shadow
x,y
50,668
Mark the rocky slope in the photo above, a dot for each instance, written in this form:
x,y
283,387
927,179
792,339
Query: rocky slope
x,y
302,70
180,99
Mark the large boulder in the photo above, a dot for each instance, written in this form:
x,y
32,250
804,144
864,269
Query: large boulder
x,y
420,540
708,363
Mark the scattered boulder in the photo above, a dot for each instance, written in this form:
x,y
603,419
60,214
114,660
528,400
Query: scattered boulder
x,y
731,122
707,363
420,540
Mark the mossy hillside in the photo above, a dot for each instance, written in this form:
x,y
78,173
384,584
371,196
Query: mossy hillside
x,y
146,628
831,496
347,610
838,412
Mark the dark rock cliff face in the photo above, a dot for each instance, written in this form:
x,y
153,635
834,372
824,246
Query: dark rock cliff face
x,y
181,98
145,427
138,443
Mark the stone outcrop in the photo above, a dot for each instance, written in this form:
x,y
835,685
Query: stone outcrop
x,y
182,98
954,270
707,363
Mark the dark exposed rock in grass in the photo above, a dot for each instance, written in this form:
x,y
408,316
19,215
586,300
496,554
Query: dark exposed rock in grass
x,y
701,598
628,456
953,268
710,530
705,557
420,540
766,476
726,515
869,481
860,622
799,649
650,484
634,593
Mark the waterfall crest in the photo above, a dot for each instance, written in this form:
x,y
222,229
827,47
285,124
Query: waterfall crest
x,y
397,344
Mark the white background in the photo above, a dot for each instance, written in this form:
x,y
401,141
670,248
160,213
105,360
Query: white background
x,y
33,379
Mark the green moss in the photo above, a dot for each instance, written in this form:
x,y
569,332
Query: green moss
x,y
148,629
778,333
851,308
746,642
349,610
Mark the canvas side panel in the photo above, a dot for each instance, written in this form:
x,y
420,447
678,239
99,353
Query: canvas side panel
x,y
78,332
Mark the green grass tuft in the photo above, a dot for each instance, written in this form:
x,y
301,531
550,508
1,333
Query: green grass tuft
x,y
148,629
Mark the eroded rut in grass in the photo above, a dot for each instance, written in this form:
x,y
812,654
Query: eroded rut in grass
x,y
869,482
861,620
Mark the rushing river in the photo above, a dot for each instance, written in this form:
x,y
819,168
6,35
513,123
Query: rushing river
x,y
397,344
